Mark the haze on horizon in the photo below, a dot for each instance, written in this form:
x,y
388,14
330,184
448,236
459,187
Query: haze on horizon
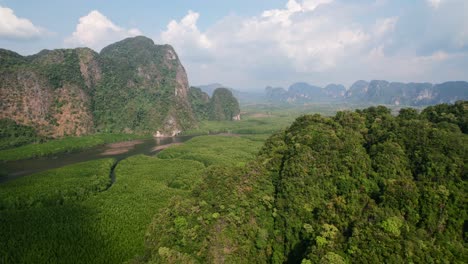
x,y
248,45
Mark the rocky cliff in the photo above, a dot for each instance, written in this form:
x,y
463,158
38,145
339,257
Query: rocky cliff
x,y
131,86
50,90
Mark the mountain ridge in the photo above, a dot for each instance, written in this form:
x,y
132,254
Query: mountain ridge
x,y
131,86
374,91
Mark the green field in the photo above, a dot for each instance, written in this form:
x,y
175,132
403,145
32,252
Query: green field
x,y
56,187
67,144
268,118
216,150
74,218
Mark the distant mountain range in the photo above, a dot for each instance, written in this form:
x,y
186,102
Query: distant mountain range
x,y
361,92
242,96
376,92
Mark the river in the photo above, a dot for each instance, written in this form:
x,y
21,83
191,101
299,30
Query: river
x,y
118,151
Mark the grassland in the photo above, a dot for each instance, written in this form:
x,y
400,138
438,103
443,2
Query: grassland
x,y
216,150
105,226
267,118
67,144
255,122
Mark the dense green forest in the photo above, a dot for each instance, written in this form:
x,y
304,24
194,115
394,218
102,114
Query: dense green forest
x,y
13,134
137,93
222,106
360,187
363,186
75,214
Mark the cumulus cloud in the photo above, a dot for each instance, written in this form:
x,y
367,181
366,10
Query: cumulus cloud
x,y
322,41
292,34
434,3
13,27
186,37
96,31
384,26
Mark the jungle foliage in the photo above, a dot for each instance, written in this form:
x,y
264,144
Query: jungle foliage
x,y
222,106
137,76
74,215
13,134
359,187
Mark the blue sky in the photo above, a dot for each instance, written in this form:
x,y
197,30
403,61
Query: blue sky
x,y
251,44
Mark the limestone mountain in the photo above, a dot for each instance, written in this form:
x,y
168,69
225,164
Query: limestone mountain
x,y
396,93
335,90
221,106
209,88
144,89
245,96
130,86
224,106
200,102
373,92
50,91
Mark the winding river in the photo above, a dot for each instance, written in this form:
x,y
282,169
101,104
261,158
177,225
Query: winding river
x,y
118,151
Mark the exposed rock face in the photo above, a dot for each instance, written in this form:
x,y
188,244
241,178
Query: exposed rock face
x,y
47,91
89,67
132,86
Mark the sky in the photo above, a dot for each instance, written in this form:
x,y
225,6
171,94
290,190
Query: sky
x,y
251,44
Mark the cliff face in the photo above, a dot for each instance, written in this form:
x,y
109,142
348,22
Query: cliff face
x,y
143,89
131,86
48,91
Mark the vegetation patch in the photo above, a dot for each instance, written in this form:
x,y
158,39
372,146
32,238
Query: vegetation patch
x,y
359,187
107,227
67,144
215,150
56,187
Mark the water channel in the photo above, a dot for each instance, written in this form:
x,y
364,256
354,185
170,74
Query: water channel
x,y
118,151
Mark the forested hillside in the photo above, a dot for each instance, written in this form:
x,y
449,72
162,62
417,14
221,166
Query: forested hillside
x,y
144,89
359,187
131,86
222,106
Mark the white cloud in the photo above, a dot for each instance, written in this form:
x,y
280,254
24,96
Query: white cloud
x,y
384,26
319,41
13,27
96,31
434,3
186,31
292,35
311,5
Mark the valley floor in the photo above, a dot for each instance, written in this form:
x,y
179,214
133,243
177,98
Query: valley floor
x,y
73,215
